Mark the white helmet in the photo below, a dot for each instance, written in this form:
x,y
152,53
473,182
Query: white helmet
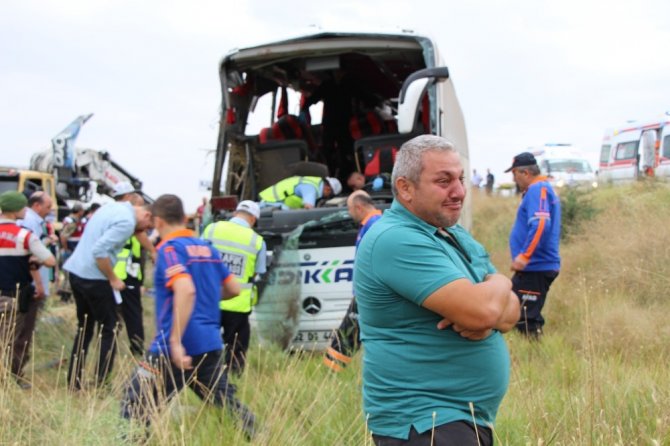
x,y
335,185
250,207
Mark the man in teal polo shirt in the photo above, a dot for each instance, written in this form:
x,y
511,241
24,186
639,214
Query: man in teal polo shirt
x,y
431,310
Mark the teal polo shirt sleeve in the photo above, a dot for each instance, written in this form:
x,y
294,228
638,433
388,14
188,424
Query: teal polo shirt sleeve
x,y
423,266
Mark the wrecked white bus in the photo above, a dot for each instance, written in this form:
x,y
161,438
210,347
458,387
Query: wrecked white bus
x,y
332,103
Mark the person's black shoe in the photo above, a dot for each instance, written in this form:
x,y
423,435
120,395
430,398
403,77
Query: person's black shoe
x,y
248,423
65,296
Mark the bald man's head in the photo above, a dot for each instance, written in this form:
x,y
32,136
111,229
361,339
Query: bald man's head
x,y
359,204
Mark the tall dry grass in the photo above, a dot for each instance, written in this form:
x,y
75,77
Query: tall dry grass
x,y
599,377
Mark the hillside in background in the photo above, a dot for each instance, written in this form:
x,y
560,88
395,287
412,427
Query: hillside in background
x,y
599,377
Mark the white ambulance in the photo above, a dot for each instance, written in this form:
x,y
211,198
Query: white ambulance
x,y
638,148
383,89
565,165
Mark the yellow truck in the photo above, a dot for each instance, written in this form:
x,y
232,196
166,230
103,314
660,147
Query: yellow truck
x,y
28,181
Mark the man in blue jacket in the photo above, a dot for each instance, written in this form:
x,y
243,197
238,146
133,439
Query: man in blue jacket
x,y
534,242
190,280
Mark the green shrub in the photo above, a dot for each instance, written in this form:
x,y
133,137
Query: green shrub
x,y
577,208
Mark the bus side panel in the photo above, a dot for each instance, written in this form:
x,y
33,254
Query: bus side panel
x,y
326,290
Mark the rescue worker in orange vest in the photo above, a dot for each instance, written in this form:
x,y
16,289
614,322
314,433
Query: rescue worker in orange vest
x,y
245,254
21,254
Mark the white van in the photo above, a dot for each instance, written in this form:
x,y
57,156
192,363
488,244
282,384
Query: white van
x,y
565,165
638,148
395,87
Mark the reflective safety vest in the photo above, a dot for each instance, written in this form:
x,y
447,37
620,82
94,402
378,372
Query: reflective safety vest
x,y
284,191
128,261
239,247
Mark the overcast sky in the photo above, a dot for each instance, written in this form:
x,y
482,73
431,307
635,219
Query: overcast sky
x,y
526,72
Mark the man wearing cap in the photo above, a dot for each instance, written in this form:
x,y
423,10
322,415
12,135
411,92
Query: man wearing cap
x,y
122,189
244,253
21,253
129,267
534,242
94,283
300,192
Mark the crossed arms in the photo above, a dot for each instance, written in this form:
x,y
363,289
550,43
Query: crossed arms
x,y
473,310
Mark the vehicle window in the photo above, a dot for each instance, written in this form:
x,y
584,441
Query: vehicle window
x,y
605,153
626,150
30,187
569,166
666,147
262,115
47,187
8,184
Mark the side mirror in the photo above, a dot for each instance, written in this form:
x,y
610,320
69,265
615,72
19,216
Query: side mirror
x,y
412,92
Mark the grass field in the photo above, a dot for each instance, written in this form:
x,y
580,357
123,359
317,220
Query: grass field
x,y
599,377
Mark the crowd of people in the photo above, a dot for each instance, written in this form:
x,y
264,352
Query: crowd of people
x,y
427,298
103,258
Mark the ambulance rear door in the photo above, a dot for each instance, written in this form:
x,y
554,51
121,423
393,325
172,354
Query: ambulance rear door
x,y
625,155
663,168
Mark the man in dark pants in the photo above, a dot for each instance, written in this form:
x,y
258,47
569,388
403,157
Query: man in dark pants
x,y
191,279
534,242
244,253
91,268
346,341
129,269
20,254
490,179
456,433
